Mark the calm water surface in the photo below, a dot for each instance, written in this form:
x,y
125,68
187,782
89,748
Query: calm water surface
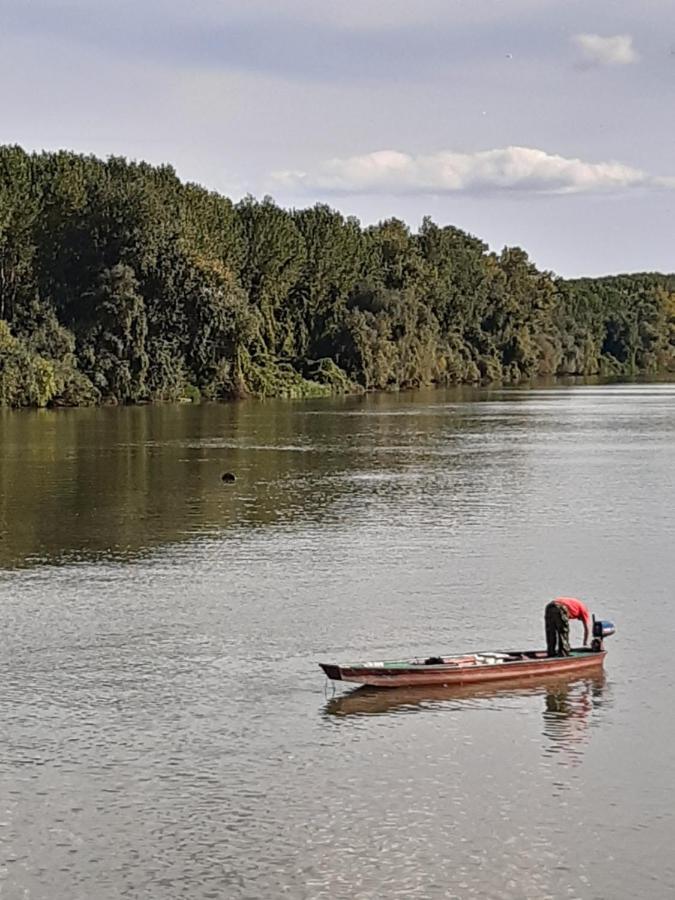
x,y
165,731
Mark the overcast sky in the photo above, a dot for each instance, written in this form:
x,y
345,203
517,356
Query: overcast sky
x,y
544,123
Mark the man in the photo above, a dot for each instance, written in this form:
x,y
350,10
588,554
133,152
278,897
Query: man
x,y
557,621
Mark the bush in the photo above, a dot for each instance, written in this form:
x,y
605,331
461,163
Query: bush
x,y
29,379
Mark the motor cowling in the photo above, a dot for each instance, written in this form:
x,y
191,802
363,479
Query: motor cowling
x,y
601,629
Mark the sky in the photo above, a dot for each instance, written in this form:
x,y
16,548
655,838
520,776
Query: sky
x,y
547,124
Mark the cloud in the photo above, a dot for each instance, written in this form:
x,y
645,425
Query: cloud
x,y
507,169
616,50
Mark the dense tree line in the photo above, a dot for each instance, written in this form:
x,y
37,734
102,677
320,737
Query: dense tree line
x,y
119,283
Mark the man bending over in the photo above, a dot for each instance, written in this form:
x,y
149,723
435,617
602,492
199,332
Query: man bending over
x,y
557,621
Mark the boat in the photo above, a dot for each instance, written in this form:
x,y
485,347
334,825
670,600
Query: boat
x,y
472,668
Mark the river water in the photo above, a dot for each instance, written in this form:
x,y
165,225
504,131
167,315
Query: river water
x,y
165,731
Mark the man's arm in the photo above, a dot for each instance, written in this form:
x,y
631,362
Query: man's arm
x,y
586,619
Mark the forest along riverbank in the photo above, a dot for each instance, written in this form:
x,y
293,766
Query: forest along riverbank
x,y
121,284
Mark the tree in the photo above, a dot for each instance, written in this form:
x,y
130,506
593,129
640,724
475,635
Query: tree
x,y
119,283
113,340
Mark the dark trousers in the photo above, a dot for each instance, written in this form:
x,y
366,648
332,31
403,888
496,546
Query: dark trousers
x,y
557,622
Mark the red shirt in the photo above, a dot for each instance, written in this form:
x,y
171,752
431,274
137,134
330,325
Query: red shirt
x,y
575,609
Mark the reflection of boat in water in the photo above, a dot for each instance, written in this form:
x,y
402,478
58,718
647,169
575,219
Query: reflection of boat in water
x,y
557,690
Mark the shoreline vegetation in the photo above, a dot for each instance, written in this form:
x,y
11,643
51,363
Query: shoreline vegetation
x,y
121,284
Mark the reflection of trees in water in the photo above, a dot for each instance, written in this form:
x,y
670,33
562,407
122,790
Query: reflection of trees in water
x,y
91,483
119,481
568,712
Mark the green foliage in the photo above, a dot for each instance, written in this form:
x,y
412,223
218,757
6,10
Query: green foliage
x,y
271,267
114,335
325,372
270,378
192,393
118,284
40,369
19,209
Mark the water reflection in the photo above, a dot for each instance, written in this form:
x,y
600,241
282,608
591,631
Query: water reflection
x,y
568,712
116,483
568,702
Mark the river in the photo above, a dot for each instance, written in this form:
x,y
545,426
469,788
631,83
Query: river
x,y
166,732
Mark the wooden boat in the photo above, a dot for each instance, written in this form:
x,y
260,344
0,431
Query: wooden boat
x,y
470,668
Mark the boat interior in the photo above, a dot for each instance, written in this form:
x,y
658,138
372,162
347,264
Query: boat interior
x,y
486,659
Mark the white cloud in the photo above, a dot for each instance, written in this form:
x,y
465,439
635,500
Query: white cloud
x,y
522,169
616,50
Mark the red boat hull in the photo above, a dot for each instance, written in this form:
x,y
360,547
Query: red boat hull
x,y
470,669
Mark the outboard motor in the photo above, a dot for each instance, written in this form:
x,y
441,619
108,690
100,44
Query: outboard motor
x,y
601,629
